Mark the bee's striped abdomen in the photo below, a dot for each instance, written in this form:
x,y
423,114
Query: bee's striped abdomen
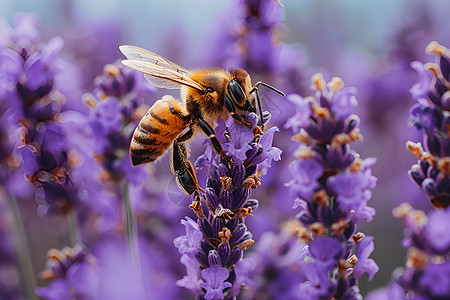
x,y
156,131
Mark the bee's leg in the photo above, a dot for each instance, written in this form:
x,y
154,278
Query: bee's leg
x,y
196,205
239,119
209,131
184,172
227,135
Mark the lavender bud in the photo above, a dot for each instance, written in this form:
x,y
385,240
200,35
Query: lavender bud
x,y
214,258
416,175
429,186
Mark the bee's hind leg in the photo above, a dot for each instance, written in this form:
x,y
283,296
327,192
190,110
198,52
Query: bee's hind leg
x,y
184,172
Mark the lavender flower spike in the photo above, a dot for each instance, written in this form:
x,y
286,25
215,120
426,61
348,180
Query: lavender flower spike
x,y
30,86
427,270
426,274
431,115
331,185
217,241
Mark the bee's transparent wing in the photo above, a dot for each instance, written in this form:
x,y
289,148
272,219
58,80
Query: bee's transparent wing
x,y
136,53
270,103
161,76
158,70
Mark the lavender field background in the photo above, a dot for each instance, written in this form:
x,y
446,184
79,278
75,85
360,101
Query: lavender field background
x,y
70,110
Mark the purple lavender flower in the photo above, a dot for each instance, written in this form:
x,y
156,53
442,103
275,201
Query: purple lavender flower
x,y
352,189
65,268
103,271
391,292
14,162
427,270
315,283
331,187
188,244
59,261
276,263
364,263
116,106
57,289
343,102
420,90
249,36
437,235
218,241
239,146
302,114
426,274
260,153
243,272
430,115
215,283
30,85
436,280
192,280
305,173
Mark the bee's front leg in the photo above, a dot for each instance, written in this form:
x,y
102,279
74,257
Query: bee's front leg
x,y
209,131
257,131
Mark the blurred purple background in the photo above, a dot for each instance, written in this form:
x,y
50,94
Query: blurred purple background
x,y
369,44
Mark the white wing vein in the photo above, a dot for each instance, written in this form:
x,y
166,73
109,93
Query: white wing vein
x,y
163,77
158,70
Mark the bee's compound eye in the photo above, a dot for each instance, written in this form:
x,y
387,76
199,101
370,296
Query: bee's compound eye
x,y
236,92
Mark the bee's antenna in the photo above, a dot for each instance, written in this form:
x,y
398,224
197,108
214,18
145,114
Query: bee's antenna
x,y
255,90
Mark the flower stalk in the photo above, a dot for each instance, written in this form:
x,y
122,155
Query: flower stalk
x,y
431,116
73,228
131,227
213,247
427,270
331,185
26,269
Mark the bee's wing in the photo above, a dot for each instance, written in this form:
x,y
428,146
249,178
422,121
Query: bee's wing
x,y
158,70
270,103
136,53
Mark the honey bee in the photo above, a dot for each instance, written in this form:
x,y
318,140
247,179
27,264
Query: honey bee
x,y
207,94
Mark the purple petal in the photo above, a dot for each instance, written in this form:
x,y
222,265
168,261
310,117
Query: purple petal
x,y
57,290
365,265
437,230
305,173
301,118
191,281
421,88
344,103
325,249
215,277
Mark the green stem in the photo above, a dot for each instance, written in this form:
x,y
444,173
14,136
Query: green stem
x,y
131,226
26,269
132,232
128,216
73,228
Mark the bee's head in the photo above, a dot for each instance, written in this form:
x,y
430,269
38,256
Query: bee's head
x,y
245,96
239,91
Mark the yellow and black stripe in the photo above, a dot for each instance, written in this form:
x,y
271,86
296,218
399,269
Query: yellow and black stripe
x,y
156,131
